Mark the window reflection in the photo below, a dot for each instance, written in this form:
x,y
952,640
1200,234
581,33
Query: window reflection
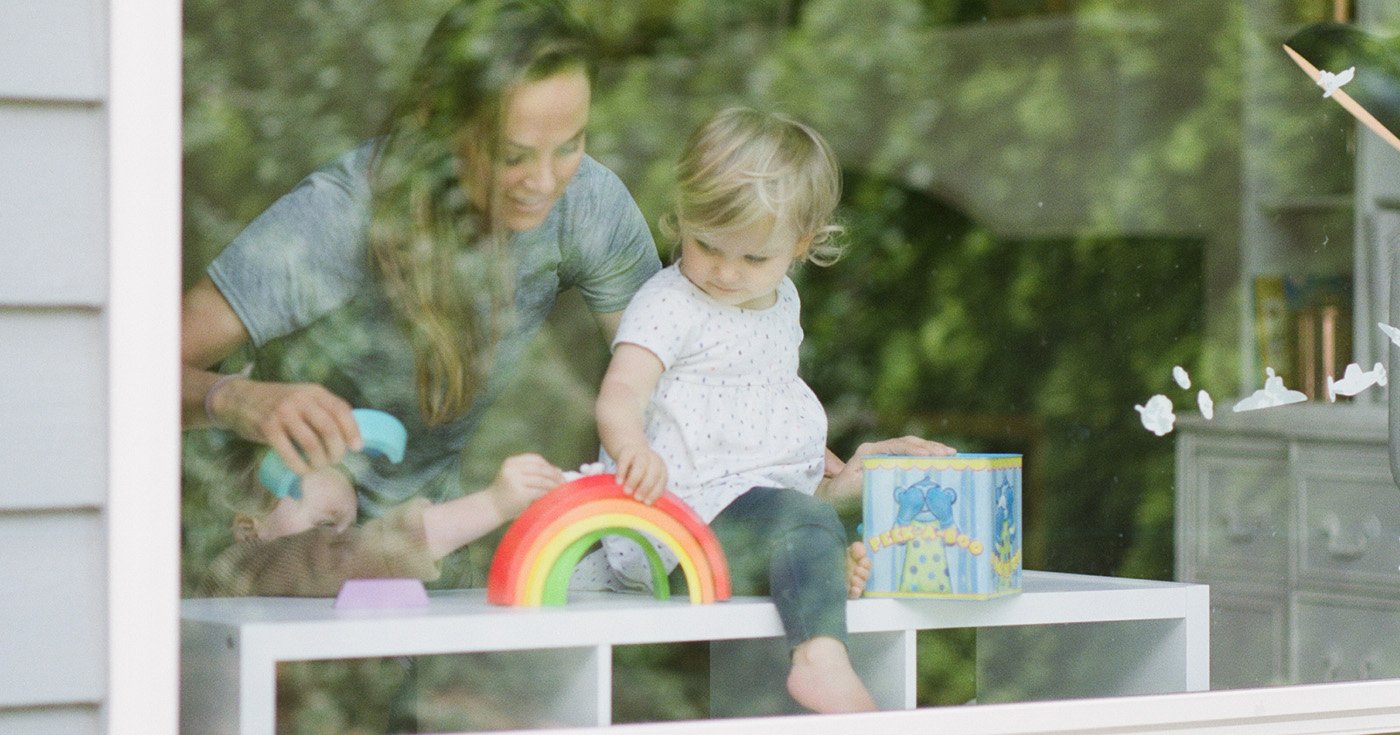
x,y
1051,204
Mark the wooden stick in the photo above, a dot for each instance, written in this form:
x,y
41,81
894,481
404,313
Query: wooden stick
x,y
1346,101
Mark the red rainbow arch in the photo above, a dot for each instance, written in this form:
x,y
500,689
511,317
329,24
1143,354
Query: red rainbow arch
x,y
537,555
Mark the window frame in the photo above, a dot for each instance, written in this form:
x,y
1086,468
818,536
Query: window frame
x,y
144,128
142,516
1354,707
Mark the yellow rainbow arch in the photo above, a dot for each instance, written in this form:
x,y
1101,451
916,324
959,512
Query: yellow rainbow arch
x,y
534,587
536,556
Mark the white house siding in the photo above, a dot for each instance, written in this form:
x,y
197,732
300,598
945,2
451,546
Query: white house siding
x,y
51,721
53,618
53,221
52,398
53,49
53,372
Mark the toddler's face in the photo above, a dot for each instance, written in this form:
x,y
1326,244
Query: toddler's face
x,y
327,499
741,267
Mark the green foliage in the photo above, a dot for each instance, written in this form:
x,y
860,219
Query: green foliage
x,y
661,682
275,89
1069,333
947,671
1041,212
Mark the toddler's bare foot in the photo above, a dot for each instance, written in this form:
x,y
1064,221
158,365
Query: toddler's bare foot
x,y
823,681
857,569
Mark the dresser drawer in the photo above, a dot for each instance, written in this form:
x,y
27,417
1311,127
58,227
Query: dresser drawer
x,y
1349,514
1241,515
1248,630
1338,638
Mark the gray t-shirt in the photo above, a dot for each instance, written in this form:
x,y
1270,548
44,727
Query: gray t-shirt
x,y
299,279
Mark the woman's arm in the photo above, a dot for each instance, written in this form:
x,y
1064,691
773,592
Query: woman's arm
x,y
209,332
456,523
608,322
846,483
621,411
297,420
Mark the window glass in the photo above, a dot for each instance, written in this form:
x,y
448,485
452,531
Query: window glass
x,y
1087,232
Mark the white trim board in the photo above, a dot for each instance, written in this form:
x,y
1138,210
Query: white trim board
x,y
1333,709
143,425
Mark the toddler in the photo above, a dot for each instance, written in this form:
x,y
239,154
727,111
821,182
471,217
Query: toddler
x,y
309,547
702,394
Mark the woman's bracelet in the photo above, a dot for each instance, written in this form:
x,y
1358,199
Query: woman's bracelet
x,y
213,388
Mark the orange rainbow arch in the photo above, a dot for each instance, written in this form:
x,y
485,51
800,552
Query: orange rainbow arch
x,y
538,553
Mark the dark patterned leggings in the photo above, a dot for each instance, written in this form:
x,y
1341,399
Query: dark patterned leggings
x,y
790,546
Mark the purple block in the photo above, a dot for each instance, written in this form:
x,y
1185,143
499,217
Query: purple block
x,y
366,594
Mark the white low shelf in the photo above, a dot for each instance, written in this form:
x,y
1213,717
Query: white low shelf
x,y
1144,637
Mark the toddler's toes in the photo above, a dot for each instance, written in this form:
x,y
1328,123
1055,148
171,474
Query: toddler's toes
x,y
857,570
857,556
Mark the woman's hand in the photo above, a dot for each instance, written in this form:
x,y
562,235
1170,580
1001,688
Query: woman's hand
x,y
834,465
846,482
307,425
641,471
522,479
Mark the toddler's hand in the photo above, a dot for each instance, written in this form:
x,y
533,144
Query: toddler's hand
x,y
522,479
857,570
642,472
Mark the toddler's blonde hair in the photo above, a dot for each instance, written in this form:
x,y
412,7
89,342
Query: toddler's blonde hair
x,y
743,165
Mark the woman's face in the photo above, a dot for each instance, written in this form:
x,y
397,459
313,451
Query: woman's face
x,y
541,147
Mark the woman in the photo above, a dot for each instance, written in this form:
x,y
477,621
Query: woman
x,y
410,274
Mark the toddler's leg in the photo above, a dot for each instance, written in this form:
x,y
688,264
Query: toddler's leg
x,y
800,544
822,679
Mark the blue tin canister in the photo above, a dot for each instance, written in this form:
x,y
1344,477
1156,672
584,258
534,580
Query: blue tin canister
x,y
944,527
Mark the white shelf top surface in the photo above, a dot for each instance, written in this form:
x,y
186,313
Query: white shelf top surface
x,y
289,628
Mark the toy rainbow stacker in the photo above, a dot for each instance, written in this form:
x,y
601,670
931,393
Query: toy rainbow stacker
x,y
537,555
943,526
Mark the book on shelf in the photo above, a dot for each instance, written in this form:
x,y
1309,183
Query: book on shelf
x,y
1302,329
1271,327
1313,11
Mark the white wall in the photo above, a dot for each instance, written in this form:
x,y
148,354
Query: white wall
x,y
52,365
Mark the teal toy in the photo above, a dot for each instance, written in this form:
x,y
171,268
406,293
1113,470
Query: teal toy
x,y
383,435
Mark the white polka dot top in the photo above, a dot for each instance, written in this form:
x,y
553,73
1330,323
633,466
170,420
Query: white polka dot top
x,y
730,412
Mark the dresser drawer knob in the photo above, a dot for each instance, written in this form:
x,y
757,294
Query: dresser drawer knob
x,y
1340,548
1334,669
1238,528
1332,666
1367,668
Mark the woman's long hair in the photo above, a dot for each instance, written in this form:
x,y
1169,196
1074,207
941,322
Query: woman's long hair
x,y
441,260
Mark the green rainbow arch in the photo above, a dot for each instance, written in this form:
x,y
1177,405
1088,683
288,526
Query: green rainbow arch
x,y
539,551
